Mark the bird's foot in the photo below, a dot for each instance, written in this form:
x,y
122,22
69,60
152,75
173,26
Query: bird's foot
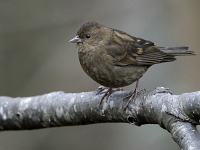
x,y
133,95
108,93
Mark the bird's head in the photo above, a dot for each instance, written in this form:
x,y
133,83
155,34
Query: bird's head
x,y
92,34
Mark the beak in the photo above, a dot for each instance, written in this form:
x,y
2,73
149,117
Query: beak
x,y
76,39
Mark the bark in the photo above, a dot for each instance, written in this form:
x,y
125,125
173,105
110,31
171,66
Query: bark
x,y
178,114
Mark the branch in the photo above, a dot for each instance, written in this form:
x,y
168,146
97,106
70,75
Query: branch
x,y
178,114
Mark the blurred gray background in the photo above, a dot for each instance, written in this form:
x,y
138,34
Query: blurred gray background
x,y
36,58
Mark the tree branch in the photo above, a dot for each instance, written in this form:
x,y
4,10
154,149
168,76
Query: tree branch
x,y
178,114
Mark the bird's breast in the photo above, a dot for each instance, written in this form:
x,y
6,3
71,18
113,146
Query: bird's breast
x,y
101,68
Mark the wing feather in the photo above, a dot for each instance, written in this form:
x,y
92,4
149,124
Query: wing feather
x,y
129,50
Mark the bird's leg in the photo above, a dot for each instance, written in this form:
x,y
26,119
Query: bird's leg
x,y
134,94
108,93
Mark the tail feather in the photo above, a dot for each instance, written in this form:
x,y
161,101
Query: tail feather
x,y
177,51
155,55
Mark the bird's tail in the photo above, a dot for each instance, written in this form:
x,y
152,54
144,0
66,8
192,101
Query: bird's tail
x,y
177,51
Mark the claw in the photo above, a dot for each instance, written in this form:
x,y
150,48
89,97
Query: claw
x,y
133,95
108,93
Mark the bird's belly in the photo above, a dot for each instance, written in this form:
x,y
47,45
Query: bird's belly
x,y
114,76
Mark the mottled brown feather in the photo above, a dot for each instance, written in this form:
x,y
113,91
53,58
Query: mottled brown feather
x,y
114,58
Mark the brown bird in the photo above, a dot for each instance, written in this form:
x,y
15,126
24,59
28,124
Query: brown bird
x,y
116,59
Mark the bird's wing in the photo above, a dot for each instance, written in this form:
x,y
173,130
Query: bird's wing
x,y
128,50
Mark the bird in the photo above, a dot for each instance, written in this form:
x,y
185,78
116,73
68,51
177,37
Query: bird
x,y
116,59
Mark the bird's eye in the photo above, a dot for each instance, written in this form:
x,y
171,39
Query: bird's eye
x,y
87,36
